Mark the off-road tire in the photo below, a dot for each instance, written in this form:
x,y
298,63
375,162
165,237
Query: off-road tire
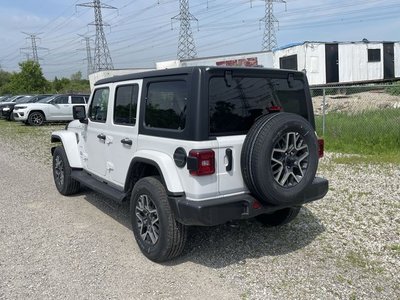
x,y
65,184
279,217
257,163
171,234
36,118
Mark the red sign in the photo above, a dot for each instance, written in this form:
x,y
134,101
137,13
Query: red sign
x,y
241,62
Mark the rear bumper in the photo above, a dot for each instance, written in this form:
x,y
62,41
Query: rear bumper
x,y
221,210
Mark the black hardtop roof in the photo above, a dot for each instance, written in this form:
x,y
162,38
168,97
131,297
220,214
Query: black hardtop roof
x,y
188,70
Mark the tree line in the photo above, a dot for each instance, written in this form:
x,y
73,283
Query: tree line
x,y
30,80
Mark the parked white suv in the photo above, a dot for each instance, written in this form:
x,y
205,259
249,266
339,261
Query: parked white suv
x,y
194,146
54,108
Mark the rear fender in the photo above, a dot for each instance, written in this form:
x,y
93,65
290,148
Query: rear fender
x,y
166,166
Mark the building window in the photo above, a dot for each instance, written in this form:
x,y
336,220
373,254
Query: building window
x,y
288,62
125,104
374,55
166,105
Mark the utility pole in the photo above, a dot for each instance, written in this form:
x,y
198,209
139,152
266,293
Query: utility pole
x,y
186,46
88,54
269,39
102,56
33,37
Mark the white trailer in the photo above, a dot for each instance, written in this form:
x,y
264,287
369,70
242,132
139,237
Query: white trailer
x,y
341,61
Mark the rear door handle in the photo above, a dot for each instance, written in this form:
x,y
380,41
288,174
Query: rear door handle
x,y
101,136
126,141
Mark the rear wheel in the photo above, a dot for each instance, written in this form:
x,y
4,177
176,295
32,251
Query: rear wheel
x,y
159,236
279,217
36,118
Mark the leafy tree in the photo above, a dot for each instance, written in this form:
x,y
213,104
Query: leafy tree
x,y
5,78
76,76
29,80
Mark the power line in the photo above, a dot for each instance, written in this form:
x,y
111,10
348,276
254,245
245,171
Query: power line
x,y
102,56
186,46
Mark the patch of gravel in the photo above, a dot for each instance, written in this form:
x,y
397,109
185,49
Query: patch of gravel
x,y
355,103
344,246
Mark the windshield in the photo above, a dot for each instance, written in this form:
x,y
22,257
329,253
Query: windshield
x,y
46,100
25,99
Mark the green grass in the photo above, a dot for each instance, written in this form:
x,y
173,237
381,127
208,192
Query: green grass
x,y
374,134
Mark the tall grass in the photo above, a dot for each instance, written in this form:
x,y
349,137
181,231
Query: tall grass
x,y
371,132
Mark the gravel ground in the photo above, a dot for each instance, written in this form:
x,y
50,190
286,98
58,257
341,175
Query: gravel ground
x,y
355,103
346,246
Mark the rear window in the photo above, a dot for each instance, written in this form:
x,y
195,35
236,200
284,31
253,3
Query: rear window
x,y
78,100
234,106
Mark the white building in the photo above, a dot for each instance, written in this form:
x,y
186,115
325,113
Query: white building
x,y
323,62
341,61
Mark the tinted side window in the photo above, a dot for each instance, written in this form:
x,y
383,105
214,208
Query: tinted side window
x,y
61,100
234,108
125,104
78,99
166,105
98,107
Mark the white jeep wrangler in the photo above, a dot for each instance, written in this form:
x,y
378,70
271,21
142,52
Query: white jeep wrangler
x,y
194,146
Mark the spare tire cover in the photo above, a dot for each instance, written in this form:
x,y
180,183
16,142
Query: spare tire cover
x,y
279,158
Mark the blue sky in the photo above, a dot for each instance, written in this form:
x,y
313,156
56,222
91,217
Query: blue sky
x,y
140,33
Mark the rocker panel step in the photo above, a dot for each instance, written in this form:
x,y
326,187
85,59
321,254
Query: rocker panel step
x,y
98,186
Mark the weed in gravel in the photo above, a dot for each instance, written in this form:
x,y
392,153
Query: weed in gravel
x,y
394,247
343,279
360,261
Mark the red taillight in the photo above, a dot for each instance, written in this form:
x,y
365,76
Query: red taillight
x,y
272,109
256,204
201,162
321,146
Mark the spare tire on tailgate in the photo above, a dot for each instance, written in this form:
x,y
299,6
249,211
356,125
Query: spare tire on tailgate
x,y
279,158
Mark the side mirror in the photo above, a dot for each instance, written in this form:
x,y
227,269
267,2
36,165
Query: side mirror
x,y
79,113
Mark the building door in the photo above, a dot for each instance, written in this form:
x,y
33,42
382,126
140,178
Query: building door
x,y
332,62
388,60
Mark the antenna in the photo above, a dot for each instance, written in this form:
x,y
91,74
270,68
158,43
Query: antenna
x,y
102,56
186,46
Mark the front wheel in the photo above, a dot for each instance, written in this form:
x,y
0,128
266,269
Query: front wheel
x,y
279,217
65,184
159,236
36,118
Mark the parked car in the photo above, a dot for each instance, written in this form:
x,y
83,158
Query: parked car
x,y
194,146
6,110
12,99
4,98
54,108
